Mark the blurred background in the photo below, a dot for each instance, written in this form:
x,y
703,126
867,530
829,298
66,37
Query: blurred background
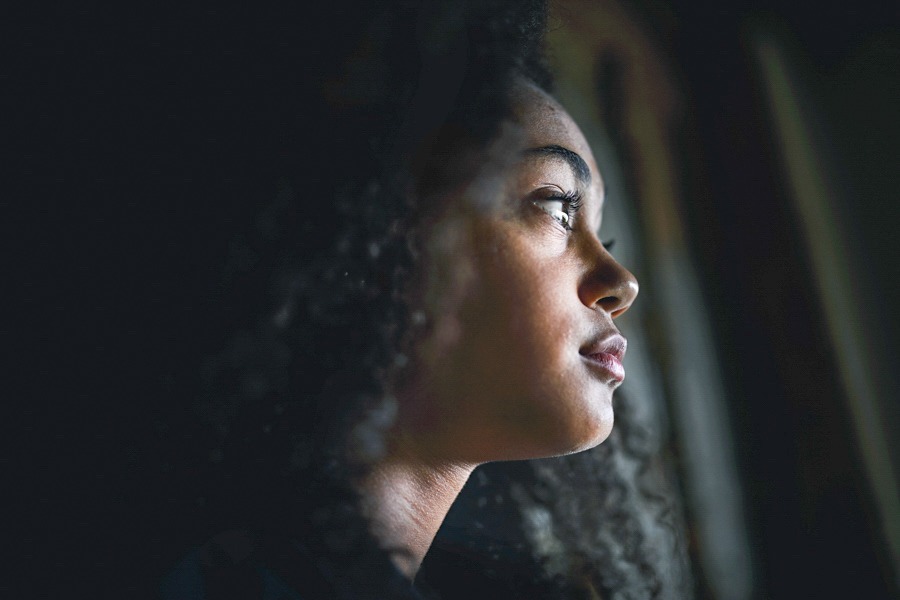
x,y
751,153
751,156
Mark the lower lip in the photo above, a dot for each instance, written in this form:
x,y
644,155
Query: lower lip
x,y
608,363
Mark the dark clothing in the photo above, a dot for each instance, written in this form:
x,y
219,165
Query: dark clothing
x,y
235,564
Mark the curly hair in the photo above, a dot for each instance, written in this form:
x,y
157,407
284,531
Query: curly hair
x,y
597,524
341,138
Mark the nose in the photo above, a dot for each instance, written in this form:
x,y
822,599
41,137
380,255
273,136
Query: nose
x,y
605,283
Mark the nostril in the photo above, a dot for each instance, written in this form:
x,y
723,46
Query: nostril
x,y
618,303
618,312
613,305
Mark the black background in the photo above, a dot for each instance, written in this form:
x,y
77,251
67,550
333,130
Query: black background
x,y
91,237
812,520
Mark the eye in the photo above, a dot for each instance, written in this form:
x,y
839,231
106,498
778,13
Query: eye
x,y
557,209
561,208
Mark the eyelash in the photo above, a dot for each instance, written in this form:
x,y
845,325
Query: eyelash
x,y
572,202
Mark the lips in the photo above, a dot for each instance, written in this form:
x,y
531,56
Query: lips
x,y
606,355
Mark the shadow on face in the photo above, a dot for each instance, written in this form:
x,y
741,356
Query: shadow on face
x,y
521,356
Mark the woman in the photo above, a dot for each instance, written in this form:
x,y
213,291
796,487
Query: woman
x,y
522,358
419,290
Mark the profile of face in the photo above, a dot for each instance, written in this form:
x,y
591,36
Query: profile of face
x,y
521,355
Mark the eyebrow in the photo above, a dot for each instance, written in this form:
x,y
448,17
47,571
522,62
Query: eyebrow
x,y
576,163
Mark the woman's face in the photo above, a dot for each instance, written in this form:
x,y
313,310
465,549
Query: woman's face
x,y
521,356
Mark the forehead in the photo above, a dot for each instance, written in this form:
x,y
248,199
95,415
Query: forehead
x,y
546,123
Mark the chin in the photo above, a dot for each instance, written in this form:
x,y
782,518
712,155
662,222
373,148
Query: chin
x,y
587,424
593,430
586,443
578,439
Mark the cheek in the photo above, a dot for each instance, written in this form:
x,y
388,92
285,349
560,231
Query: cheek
x,y
523,331
500,375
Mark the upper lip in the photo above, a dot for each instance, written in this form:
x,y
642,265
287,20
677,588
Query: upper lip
x,y
612,343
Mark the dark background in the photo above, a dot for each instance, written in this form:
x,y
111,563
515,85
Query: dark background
x,y
812,521
86,246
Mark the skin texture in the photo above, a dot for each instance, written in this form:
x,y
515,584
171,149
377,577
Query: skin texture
x,y
515,300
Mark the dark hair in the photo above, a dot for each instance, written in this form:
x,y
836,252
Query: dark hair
x,y
315,148
341,135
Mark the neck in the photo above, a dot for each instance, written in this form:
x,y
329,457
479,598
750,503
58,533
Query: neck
x,y
406,499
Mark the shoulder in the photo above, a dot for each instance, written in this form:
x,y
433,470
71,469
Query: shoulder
x,y
238,564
